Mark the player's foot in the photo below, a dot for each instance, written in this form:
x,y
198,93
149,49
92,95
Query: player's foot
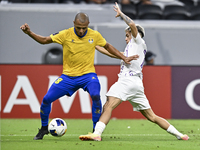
x,y
41,133
90,136
183,137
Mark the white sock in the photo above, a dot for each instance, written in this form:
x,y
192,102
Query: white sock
x,y
172,130
99,128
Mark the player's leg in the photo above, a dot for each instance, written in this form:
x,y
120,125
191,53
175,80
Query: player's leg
x,y
116,90
109,106
163,123
53,94
149,114
93,89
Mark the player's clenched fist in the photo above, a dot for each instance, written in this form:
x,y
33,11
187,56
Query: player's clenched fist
x,y
25,28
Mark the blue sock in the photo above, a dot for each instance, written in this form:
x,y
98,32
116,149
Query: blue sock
x,y
45,110
96,109
94,90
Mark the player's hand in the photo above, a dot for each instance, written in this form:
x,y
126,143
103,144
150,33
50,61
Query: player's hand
x,y
130,58
25,28
117,9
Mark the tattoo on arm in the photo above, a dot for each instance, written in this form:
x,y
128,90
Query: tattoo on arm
x,y
125,18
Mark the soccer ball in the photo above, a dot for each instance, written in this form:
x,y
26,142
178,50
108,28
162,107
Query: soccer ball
x,y
57,127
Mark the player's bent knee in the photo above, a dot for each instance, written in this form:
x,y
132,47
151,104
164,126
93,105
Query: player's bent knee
x,y
111,104
105,106
95,97
46,100
96,100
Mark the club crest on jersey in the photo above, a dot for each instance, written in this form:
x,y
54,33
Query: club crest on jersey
x,y
90,40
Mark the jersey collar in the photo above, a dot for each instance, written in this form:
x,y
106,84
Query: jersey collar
x,y
78,35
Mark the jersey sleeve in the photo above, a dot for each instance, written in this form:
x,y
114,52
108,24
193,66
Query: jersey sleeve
x,y
59,37
140,41
100,40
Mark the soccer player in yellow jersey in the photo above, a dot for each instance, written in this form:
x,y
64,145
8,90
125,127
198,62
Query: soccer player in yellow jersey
x,y
79,44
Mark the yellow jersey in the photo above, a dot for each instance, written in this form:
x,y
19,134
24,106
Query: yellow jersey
x,y
78,52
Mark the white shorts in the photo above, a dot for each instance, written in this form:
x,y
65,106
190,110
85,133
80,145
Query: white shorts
x,y
130,88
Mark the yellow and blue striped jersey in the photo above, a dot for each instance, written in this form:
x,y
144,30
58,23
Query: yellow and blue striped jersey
x,y
78,52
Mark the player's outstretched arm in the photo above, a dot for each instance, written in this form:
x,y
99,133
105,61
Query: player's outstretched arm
x,y
128,21
40,39
111,49
104,51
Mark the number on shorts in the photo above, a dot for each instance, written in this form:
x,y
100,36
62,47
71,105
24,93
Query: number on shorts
x,y
58,80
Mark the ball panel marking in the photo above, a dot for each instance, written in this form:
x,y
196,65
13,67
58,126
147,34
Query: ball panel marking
x,y
57,127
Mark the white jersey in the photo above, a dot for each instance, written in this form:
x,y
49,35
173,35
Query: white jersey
x,y
136,46
129,86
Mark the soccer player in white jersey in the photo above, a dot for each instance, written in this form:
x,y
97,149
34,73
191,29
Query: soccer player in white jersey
x,y
129,86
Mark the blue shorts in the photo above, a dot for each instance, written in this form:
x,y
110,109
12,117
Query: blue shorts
x,y
72,84
66,85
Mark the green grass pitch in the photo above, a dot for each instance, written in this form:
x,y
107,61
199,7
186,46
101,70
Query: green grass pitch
x,y
122,134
